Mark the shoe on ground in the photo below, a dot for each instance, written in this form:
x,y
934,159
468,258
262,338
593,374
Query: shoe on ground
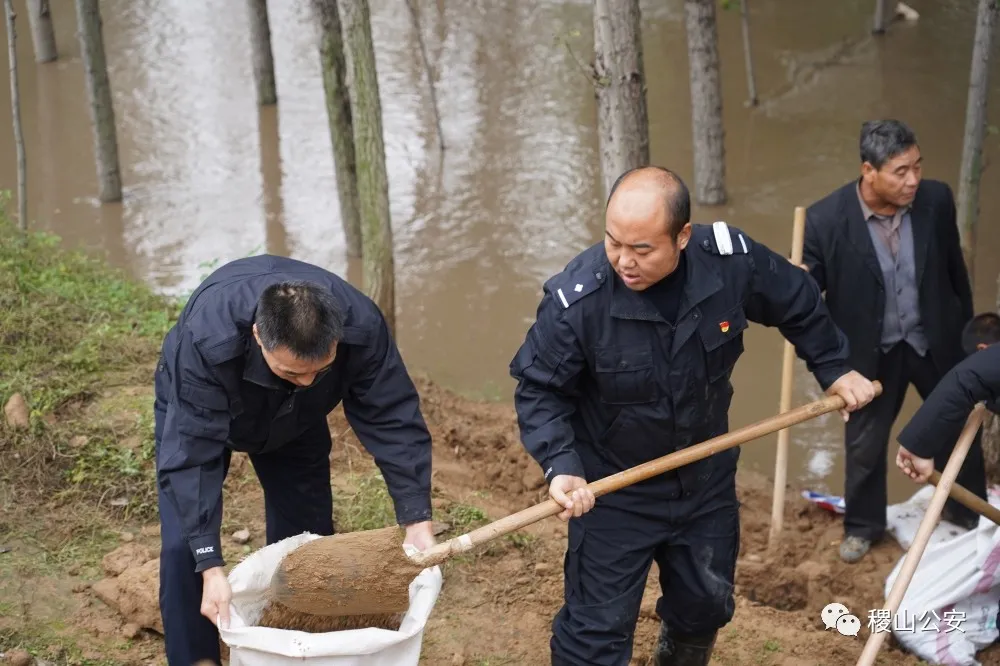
x,y
853,548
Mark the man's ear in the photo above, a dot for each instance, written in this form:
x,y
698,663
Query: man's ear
x,y
256,336
684,236
868,172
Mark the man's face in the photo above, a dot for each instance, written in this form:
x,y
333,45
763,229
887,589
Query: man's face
x,y
287,366
896,182
637,241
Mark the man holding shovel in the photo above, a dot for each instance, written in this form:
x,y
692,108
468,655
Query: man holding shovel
x,y
933,429
264,350
630,359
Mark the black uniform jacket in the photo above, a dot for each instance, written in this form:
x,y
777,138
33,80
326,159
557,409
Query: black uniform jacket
x,y
219,393
941,417
601,370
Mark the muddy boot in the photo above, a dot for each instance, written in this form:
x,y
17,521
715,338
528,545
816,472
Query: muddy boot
x,y
681,650
853,548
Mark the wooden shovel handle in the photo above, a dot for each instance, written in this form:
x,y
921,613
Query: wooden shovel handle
x,y
686,456
927,524
969,499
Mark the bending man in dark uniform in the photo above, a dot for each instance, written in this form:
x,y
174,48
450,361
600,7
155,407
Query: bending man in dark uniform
x,y
264,350
629,359
932,431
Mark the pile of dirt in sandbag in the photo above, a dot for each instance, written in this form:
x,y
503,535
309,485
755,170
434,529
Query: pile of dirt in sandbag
x,y
133,584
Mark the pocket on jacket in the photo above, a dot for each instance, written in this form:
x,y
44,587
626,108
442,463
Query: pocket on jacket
x,y
722,338
625,374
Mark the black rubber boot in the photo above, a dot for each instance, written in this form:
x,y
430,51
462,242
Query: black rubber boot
x,y
681,650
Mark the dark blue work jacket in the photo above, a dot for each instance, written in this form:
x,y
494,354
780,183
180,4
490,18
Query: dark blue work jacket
x,y
603,377
217,393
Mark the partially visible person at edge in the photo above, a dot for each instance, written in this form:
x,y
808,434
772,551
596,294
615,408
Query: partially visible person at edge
x,y
943,414
630,359
263,351
885,249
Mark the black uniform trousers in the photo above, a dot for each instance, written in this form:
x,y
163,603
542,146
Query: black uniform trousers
x,y
695,543
867,440
297,499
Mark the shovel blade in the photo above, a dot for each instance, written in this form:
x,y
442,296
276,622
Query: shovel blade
x,y
356,573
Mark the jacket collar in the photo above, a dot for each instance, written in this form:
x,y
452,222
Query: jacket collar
x,y
701,281
860,237
256,370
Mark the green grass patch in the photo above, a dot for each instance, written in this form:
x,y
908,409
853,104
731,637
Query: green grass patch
x,y
70,328
367,507
40,553
67,320
465,517
52,646
494,660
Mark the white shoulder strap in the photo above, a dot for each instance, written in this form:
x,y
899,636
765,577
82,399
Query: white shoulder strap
x,y
723,240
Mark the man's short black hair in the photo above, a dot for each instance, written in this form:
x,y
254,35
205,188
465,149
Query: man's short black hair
x,y
300,316
982,329
881,140
677,200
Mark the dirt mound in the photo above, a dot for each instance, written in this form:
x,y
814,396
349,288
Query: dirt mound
x,y
132,586
348,574
125,557
805,572
279,616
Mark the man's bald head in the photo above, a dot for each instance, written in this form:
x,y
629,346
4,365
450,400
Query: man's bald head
x,y
646,225
652,191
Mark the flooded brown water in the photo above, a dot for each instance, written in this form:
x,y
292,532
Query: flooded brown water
x,y
210,178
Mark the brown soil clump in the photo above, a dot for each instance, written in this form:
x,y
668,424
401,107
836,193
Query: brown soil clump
x,y
278,616
18,658
134,592
355,573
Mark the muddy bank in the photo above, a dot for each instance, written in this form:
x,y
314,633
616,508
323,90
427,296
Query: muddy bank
x,y
500,601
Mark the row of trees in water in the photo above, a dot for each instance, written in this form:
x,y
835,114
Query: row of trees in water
x,y
351,88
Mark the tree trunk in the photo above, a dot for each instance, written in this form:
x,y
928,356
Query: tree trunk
x,y
975,126
102,111
622,120
42,35
991,434
415,18
748,53
15,105
878,24
263,61
369,150
706,103
338,111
